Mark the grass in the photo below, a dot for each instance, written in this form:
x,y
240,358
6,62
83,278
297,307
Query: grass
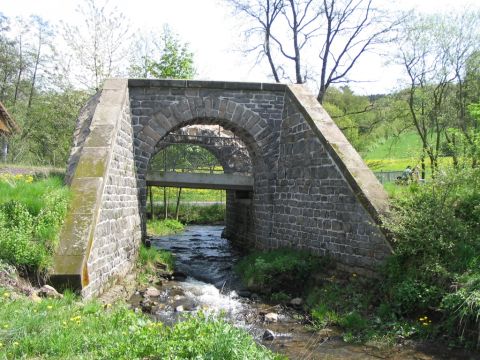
x,y
189,195
164,227
150,258
406,146
195,214
280,272
69,329
31,214
152,263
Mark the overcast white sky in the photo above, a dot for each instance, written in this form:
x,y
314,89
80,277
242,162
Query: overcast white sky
x,y
212,32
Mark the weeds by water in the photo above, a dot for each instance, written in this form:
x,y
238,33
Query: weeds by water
x,y
159,227
69,329
195,214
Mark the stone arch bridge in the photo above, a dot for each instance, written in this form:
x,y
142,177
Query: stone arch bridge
x,y
311,189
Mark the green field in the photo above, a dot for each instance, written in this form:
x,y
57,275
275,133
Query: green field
x,y
396,153
405,146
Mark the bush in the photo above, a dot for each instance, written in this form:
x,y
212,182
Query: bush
x,y
31,214
282,270
436,232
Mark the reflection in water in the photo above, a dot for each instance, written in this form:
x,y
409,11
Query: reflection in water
x,y
209,284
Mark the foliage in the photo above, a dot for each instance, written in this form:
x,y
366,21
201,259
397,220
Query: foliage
x,y
97,43
167,59
150,261
439,58
158,227
436,236
47,128
196,214
282,270
31,213
67,329
190,195
184,158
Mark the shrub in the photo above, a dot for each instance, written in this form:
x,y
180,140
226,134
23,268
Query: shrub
x,y
436,232
31,213
281,270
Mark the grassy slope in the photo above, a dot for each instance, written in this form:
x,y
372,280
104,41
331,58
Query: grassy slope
x,y
395,154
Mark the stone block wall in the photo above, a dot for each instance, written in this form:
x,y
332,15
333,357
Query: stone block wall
x,y
311,188
316,206
252,111
100,238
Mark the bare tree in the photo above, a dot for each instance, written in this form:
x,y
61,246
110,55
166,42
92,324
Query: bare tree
x,y
341,31
350,28
280,30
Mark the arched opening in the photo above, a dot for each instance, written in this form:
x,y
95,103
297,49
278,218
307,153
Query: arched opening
x,y
200,174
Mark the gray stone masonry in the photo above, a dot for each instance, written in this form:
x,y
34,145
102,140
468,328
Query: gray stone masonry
x,y
311,188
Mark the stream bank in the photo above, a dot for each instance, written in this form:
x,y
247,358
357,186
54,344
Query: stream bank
x,y
204,281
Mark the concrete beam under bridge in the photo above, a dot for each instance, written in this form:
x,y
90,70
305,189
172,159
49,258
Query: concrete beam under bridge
x,y
201,181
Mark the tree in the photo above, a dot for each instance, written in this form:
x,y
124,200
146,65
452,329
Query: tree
x,y
435,52
339,31
97,46
167,58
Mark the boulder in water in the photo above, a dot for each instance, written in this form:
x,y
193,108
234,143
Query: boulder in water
x,y
296,302
152,292
268,335
271,317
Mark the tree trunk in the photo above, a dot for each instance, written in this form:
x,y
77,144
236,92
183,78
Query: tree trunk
x,y
178,203
4,149
151,203
165,203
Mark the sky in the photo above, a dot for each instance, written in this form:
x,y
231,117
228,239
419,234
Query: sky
x,y
212,33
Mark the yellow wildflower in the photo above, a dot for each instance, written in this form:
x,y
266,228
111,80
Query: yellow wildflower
x,y
5,326
49,307
6,294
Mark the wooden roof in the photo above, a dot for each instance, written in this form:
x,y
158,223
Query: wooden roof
x,y
7,124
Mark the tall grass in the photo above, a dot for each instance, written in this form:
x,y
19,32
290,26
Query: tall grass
x,y
31,214
195,214
68,329
159,227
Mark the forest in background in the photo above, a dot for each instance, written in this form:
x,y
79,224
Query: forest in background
x,y
47,71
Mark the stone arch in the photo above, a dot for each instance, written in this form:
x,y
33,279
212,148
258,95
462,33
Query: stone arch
x,y
234,159
253,218
252,129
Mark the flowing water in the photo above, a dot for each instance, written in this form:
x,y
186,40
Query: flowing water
x,y
206,281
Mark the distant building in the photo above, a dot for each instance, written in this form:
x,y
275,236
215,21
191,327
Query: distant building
x,y
7,124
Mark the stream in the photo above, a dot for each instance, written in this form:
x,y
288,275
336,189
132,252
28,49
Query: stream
x,y
205,281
